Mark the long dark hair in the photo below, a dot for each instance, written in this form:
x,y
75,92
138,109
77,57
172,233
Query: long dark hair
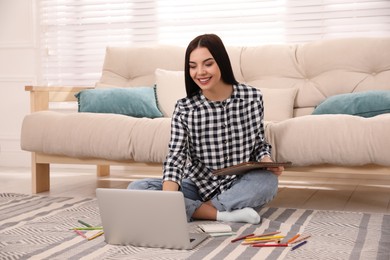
x,y
217,49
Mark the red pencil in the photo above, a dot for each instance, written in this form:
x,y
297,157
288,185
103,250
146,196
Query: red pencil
x,y
270,245
241,238
260,242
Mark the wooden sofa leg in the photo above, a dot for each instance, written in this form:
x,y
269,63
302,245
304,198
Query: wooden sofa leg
x,y
40,177
103,170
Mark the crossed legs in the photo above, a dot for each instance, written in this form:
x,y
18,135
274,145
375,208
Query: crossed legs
x,y
237,204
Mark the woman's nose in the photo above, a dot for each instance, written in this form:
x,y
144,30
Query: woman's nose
x,y
201,70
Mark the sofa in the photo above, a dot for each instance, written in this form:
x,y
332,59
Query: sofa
x,y
327,107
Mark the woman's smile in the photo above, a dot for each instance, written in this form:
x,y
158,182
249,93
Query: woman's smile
x,y
204,81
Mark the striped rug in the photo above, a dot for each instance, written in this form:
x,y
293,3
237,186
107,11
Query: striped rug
x,y
38,227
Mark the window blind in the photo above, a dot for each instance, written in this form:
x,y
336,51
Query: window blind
x,y
75,33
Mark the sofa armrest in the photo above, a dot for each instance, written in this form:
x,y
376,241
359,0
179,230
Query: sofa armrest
x,y
41,96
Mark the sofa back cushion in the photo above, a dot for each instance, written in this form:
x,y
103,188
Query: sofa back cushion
x,y
317,70
134,66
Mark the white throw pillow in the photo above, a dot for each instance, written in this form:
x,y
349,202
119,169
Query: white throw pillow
x,y
170,87
278,103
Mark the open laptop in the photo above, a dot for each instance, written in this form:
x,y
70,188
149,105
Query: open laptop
x,y
146,218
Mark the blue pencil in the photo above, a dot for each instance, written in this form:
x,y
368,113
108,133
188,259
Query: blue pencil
x,y
299,245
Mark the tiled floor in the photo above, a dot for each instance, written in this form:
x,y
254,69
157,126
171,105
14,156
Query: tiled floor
x,y
347,193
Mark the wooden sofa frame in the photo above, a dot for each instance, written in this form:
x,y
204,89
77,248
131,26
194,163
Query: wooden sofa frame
x,y
42,96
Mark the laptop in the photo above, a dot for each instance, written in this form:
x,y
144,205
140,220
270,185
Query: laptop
x,y
146,218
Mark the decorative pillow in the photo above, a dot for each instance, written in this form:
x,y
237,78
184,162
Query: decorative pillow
x,y
365,104
278,103
170,87
132,101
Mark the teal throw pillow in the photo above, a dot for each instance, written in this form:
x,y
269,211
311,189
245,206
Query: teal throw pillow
x,y
365,104
132,101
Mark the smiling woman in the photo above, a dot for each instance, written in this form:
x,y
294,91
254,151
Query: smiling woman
x,y
217,125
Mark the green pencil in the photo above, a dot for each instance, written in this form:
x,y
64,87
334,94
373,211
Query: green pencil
x,y
87,228
85,224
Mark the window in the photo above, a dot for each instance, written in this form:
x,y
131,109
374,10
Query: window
x,y
75,33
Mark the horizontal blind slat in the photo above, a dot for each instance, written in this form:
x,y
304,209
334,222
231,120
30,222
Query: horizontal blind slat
x,y
75,33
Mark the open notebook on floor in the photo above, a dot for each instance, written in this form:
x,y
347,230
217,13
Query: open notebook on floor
x,y
146,218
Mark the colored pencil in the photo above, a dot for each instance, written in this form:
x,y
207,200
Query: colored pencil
x,y
255,236
262,238
80,233
299,245
87,228
83,223
267,234
270,245
241,238
260,242
293,239
300,239
96,235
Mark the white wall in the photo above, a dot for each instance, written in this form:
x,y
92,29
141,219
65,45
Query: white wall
x,y
18,67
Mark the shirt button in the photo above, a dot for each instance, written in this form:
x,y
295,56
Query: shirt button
x,y
225,142
226,158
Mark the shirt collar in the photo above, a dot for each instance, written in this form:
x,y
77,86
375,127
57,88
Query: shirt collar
x,y
234,95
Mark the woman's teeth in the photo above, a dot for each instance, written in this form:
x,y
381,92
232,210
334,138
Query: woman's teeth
x,y
204,80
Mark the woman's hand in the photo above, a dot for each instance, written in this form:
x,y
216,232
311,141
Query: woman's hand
x,y
275,170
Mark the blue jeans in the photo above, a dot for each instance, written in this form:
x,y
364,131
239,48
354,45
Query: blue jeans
x,y
253,189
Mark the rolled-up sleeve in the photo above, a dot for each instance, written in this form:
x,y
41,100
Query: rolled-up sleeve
x,y
262,147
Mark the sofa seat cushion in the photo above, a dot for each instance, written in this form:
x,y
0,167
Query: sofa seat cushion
x,y
93,135
343,140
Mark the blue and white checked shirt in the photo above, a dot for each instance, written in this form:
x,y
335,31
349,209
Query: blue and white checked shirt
x,y
209,135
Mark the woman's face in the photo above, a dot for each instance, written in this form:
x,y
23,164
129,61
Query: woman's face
x,y
204,70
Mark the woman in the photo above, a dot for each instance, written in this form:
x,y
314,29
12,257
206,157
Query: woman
x,y
218,124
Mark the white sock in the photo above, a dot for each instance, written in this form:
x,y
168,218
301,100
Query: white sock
x,y
247,215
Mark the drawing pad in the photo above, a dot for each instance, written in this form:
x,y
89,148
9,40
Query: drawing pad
x,y
248,166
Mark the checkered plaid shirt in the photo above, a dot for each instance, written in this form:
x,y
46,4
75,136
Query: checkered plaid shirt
x,y
209,135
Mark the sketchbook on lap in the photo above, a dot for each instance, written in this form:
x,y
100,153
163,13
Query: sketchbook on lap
x,y
248,166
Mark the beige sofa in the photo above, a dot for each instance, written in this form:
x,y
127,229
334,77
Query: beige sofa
x,y
294,79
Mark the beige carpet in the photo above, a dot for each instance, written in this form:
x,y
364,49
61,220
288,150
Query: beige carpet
x,y
37,227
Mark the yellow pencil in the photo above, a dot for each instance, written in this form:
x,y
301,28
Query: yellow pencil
x,y
267,234
96,235
262,238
